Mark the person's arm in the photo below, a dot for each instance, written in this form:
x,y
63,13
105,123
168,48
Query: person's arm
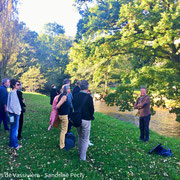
x,y
144,103
4,97
136,103
91,107
63,99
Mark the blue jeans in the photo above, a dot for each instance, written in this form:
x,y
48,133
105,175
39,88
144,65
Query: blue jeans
x,y
144,127
13,140
3,117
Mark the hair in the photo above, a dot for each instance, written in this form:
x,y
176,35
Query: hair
x,y
84,85
65,88
143,88
13,83
78,83
4,80
66,81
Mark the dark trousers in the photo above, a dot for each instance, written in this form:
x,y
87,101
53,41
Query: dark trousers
x,y
144,127
69,122
3,117
20,125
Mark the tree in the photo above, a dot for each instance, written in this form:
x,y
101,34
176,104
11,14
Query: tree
x,y
53,29
146,33
8,33
53,57
27,52
33,80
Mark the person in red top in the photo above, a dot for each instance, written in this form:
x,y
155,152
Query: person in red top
x,y
143,106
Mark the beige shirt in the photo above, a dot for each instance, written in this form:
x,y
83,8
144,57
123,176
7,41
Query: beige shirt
x,y
13,105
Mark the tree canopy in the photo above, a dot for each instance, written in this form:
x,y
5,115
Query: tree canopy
x,y
130,43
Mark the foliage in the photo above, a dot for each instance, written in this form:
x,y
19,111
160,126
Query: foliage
x,y
48,52
8,34
27,52
53,29
33,80
144,33
117,152
53,57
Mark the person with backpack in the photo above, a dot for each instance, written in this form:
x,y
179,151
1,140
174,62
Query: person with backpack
x,y
84,101
63,107
143,106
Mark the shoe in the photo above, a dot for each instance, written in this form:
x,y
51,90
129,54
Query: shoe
x,y
19,146
146,140
63,149
20,138
90,144
82,160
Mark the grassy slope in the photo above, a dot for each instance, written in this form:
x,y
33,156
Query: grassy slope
x,y
117,153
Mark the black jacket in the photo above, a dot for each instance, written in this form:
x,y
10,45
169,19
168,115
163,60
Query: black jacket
x,y
53,93
76,90
20,97
87,111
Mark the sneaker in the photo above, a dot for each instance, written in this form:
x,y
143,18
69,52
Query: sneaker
x,y
20,138
90,144
19,146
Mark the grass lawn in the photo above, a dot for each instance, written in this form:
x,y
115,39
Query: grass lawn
x,y
117,152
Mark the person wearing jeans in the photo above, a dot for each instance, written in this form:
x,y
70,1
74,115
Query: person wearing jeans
x,y
87,114
143,106
14,110
13,141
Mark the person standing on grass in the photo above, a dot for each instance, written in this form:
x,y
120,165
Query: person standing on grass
x,y
53,93
76,88
22,103
3,103
14,110
63,107
87,114
143,106
69,98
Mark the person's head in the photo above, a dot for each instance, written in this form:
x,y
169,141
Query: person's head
x,y
14,84
20,85
78,83
66,89
66,81
143,91
53,86
6,82
84,85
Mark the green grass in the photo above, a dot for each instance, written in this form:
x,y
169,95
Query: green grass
x,y
117,153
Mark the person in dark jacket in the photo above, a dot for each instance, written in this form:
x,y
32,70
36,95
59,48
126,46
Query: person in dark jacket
x,y
87,114
22,103
143,106
3,103
63,107
53,93
76,88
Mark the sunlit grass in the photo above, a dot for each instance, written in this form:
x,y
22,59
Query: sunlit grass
x,y
117,153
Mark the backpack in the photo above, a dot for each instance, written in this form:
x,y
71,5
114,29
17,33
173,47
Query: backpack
x,y
162,150
70,140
